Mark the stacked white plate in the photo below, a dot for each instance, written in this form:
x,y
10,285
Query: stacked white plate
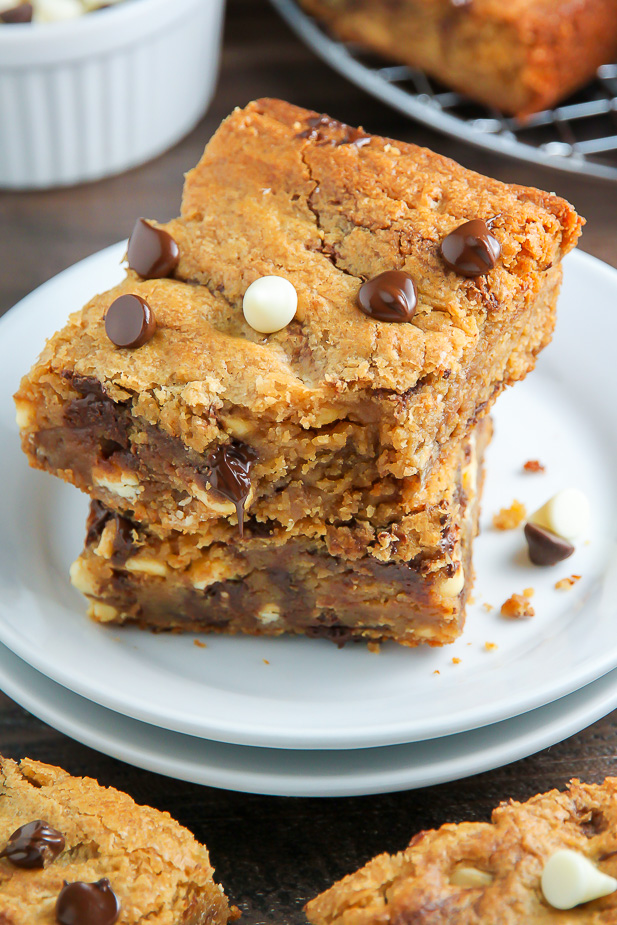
x,y
301,717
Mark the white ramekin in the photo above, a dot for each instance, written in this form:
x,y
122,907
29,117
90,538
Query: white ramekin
x,y
93,96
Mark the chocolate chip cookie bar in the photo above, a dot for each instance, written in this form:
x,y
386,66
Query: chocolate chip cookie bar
x,y
520,56
528,865
421,290
75,853
404,574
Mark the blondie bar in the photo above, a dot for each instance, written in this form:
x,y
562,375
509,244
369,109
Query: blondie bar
x,y
404,574
73,852
200,417
478,873
518,55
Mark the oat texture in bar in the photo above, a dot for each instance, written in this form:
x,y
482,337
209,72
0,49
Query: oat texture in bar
x,y
401,577
423,289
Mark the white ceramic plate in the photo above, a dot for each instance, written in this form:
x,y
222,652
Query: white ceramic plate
x,y
298,693
313,773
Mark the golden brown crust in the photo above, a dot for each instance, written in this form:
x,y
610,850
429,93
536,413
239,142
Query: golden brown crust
x,y
416,885
520,56
161,875
282,190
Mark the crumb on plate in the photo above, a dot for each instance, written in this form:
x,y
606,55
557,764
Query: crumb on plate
x,y
508,518
564,584
533,465
516,607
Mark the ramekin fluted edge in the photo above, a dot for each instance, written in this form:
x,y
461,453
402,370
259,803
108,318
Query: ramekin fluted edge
x,y
91,97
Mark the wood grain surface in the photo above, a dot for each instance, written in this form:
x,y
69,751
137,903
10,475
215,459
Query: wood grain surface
x,y
272,854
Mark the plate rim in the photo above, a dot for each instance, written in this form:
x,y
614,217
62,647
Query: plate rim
x,y
501,751
395,733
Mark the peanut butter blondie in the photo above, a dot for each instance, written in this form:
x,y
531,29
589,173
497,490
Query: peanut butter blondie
x,y
194,416
403,574
73,852
520,56
478,873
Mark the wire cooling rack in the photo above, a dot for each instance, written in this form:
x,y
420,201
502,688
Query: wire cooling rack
x,y
580,136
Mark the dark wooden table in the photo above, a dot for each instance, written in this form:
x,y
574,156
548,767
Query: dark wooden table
x,y
271,853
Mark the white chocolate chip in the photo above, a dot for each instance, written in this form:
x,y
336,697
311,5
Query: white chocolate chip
x,y
103,613
269,304
566,514
216,502
105,546
236,426
123,485
202,574
213,502
81,578
470,877
451,587
147,565
24,414
569,879
56,10
269,614
470,476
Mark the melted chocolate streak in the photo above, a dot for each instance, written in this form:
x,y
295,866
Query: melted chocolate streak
x,y
230,475
319,125
123,544
229,466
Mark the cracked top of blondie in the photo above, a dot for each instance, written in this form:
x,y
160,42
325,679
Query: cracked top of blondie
x,y
283,191
155,867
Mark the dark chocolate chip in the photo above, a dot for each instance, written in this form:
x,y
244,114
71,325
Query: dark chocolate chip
x,y
17,14
594,823
129,321
546,548
471,249
230,475
152,252
391,296
124,540
87,904
338,633
87,385
33,845
95,524
315,124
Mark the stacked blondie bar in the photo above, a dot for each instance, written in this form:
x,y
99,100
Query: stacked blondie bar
x,y
323,478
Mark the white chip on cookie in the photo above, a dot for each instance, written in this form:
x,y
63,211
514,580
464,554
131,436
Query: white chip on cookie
x,y
269,304
566,514
56,10
570,879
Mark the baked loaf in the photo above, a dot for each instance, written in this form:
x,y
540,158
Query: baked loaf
x,y
403,575
336,405
518,55
156,871
479,873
